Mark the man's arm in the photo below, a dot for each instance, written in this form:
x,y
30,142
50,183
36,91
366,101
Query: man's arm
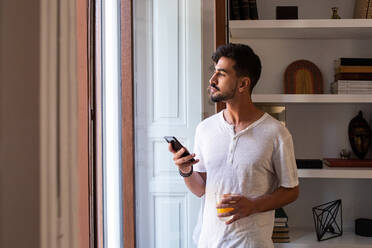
x,y
195,182
279,198
244,206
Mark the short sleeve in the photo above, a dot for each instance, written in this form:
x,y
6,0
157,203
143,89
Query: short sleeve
x,y
285,163
199,167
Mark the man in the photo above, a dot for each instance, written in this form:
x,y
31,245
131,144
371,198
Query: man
x,y
240,151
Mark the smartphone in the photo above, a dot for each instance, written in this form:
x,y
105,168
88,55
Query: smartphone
x,y
176,145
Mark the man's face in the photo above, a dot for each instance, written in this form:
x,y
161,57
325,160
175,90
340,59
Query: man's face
x,y
223,83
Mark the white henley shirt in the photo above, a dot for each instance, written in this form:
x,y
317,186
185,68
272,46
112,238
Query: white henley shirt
x,y
252,162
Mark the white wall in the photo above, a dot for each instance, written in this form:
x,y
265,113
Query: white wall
x,y
19,123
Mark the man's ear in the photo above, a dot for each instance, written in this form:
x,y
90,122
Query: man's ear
x,y
244,84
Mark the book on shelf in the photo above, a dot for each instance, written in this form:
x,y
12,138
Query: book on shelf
x,y
309,163
280,224
353,69
280,216
350,92
253,9
353,76
363,9
338,162
278,229
353,62
353,82
351,87
280,235
281,240
235,10
245,12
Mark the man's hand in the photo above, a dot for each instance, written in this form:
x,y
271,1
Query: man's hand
x,y
183,163
242,206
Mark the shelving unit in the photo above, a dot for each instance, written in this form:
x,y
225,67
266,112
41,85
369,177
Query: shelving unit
x,y
302,29
333,172
306,238
308,98
318,123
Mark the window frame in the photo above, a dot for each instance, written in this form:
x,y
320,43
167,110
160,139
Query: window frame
x,y
83,123
128,184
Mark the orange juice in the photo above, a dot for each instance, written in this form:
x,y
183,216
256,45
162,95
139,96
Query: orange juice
x,y
219,198
224,210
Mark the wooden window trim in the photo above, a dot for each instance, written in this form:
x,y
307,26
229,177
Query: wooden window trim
x,y
219,33
88,237
95,10
83,120
128,187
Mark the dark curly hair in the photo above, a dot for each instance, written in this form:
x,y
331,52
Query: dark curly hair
x,y
247,63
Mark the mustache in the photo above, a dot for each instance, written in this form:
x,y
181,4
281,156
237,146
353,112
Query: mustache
x,y
214,86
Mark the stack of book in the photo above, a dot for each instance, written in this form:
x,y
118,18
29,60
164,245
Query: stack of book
x,y
352,76
351,87
281,230
243,10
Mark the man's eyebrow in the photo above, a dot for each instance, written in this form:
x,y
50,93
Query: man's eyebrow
x,y
221,69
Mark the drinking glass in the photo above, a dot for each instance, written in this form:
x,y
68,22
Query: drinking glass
x,y
219,198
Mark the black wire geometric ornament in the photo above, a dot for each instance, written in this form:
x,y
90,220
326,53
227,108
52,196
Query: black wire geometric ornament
x,y
328,220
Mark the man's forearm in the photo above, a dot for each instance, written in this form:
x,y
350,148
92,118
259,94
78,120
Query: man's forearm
x,y
279,198
196,183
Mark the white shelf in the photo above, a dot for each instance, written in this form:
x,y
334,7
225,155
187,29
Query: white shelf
x,y
336,172
310,98
302,29
306,238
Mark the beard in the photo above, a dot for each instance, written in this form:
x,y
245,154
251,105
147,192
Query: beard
x,y
219,96
222,97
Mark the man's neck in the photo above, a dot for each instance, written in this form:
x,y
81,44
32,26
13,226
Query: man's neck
x,y
241,113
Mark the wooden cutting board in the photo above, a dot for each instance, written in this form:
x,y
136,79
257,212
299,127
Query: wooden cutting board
x,y
303,77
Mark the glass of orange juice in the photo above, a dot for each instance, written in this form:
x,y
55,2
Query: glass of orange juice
x,y
219,198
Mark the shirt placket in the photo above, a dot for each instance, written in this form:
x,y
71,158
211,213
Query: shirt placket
x,y
233,144
232,148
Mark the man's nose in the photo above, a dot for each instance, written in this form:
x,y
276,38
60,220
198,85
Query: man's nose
x,y
213,79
